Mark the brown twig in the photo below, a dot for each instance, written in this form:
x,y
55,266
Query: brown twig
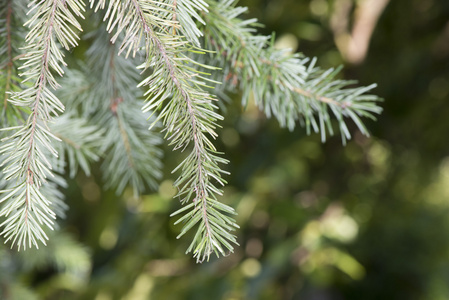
x,y
354,45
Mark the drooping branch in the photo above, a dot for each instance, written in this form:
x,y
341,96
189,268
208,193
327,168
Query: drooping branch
x,y
187,114
26,209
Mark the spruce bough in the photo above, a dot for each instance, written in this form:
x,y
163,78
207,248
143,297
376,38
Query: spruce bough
x,y
157,64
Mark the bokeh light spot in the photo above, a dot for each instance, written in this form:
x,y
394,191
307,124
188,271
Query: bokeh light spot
x,y
251,267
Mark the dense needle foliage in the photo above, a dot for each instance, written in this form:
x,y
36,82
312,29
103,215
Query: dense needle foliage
x,y
164,65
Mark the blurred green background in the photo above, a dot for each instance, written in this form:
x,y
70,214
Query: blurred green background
x,y
318,221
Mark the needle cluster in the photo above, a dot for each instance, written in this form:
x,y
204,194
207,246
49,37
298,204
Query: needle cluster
x,y
157,64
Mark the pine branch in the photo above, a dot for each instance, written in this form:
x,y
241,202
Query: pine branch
x,y
134,159
26,208
133,156
187,114
286,86
282,84
106,92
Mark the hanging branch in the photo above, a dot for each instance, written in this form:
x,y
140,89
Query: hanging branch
x,y
187,114
105,91
26,208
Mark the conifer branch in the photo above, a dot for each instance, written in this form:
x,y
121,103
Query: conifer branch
x,y
106,91
105,107
283,85
187,113
26,209
133,156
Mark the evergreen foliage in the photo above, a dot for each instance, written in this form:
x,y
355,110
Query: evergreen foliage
x,y
186,52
